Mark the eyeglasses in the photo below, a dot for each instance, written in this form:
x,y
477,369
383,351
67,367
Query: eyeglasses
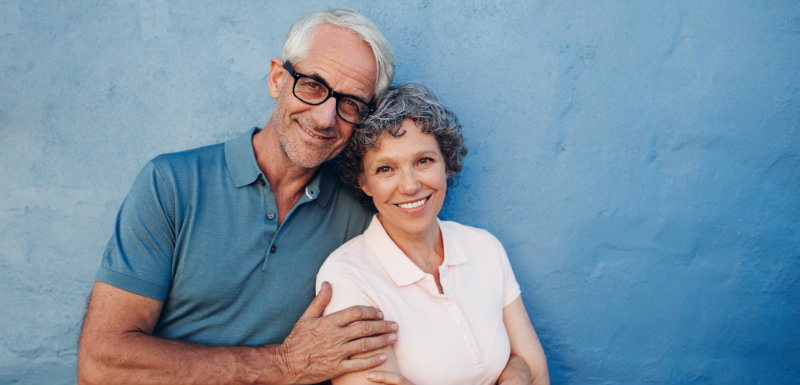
x,y
315,92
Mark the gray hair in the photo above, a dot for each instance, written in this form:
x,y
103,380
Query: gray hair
x,y
299,40
406,101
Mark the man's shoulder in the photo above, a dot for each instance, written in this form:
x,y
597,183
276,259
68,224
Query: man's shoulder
x,y
191,157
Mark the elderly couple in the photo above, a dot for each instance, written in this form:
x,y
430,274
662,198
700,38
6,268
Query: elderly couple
x,y
209,275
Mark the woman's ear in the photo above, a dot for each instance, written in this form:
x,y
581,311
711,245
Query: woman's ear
x,y
364,186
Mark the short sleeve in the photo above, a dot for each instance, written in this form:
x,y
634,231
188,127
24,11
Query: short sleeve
x,y
511,288
348,289
138,257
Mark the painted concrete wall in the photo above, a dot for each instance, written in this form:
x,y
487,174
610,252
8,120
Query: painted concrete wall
x,y
639,160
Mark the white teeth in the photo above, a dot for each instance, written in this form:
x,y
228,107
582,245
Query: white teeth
x,y
313,135
413,204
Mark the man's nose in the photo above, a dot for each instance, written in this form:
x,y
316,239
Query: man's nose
x,y
324,114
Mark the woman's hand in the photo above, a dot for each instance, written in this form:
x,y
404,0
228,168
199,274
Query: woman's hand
x,y
388,378
516,372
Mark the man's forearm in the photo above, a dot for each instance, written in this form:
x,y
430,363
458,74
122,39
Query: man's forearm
x,y
117,347
150,360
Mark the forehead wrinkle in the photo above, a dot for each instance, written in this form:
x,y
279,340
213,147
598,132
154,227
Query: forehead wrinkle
x,y
336,53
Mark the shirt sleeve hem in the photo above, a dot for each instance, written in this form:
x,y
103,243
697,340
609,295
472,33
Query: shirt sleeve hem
x,y
131,284
514,294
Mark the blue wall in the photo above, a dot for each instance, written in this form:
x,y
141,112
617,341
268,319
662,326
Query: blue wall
x,y
639,160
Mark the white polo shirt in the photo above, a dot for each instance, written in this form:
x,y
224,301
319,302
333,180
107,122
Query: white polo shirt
x,y
453,338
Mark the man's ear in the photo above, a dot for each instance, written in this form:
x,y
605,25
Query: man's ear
x,y
364,186
275,79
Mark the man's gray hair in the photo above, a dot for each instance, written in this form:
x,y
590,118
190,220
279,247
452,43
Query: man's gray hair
x,y
410,101
299,40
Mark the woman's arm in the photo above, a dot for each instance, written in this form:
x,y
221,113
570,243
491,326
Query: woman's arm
x,y
524,342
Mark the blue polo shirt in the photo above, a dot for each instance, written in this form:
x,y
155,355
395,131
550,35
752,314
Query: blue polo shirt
x,y
198,231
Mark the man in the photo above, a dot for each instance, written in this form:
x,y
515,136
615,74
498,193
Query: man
x,y
215,250
219,246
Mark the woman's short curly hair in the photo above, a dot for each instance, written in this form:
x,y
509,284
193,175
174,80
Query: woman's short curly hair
x,y
405,101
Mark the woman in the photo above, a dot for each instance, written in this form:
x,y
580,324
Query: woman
x,y
449,286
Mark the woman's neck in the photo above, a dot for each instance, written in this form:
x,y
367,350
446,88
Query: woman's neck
x,y
425,249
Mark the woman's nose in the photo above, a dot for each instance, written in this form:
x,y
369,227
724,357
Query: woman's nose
x,y
409,183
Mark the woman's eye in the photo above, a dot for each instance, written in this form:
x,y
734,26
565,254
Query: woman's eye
x,y
383,169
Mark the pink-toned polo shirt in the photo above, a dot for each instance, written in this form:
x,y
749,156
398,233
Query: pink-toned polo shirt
x,y
453,338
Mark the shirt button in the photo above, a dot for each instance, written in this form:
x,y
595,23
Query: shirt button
x,y
262,182
270,215
272,249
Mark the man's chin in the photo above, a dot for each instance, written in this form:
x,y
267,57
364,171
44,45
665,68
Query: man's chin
x,y
307,161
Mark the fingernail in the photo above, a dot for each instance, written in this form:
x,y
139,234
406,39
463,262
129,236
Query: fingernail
x,y
383,357
394,327
392,337
371,375
380,314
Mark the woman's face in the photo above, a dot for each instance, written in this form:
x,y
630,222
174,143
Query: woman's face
x,y
407,180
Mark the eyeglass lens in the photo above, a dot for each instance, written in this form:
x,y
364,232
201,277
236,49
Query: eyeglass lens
x,y
313,92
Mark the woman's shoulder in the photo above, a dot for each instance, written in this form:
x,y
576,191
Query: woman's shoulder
x,y
352,259
466,233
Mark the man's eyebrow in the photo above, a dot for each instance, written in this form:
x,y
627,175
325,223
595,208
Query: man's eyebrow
x,y
320,79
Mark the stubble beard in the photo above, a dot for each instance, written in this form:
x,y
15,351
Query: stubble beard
x,y
296,149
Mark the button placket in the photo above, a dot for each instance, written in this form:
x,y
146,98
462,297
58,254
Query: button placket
x,y
270,221
466,331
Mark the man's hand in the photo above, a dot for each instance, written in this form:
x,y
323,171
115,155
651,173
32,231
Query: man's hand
x,y
319,348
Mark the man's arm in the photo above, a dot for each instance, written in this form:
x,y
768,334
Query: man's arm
x,y
116,346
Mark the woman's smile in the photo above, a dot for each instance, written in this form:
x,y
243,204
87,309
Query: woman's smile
x,y
407,179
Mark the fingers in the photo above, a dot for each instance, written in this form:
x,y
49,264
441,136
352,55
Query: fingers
x,y
388,378
319,302
369,344
356,313
363,363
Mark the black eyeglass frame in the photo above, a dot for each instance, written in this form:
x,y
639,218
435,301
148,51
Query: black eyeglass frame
x,y
331,93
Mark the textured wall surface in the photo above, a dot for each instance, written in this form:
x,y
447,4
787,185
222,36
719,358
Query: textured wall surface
x,y
639,160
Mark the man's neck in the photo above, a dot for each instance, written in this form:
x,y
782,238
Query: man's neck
x,y
287,181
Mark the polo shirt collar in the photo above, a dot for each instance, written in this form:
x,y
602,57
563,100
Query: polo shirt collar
x,y
243,168
240,157
396,264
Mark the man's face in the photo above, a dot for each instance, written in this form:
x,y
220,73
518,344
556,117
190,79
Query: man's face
x,y
309,135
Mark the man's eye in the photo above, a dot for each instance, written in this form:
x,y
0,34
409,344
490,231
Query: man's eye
x,y
426,160
309,84
383,169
